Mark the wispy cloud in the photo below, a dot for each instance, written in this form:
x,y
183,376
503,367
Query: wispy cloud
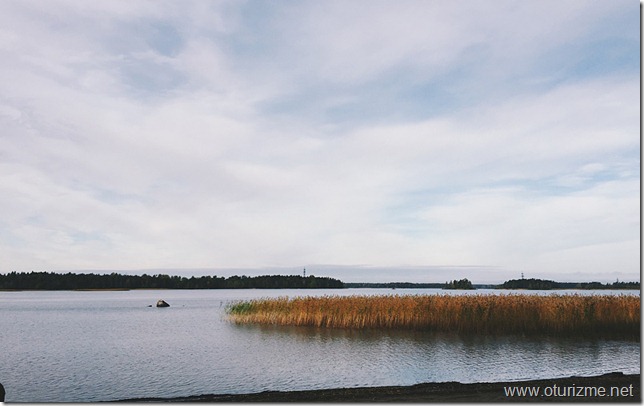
x,y
178,135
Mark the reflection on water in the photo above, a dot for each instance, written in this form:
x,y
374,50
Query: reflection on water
x,y
409,357
90,346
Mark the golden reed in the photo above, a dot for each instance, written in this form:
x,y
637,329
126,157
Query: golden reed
x,y
472,314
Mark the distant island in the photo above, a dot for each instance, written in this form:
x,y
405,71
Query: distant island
x,y
393,285
71,281
544,284
463,284
528,284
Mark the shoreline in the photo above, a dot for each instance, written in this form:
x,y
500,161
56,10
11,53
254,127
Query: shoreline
x,y
314,289
611,387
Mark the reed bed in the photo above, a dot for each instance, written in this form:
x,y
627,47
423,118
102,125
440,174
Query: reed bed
x,y
469,314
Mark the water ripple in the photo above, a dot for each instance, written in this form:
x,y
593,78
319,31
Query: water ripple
x,y
112,346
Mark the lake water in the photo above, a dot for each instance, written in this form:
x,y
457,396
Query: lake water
x,y
62,346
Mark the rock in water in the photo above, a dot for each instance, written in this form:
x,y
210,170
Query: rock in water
x,y
162,303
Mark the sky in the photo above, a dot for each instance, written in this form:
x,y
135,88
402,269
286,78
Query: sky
x,y
366,140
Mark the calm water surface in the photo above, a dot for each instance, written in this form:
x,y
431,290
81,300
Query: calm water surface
x,y
93,346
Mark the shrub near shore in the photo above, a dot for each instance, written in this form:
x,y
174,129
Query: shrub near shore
x,y
599,315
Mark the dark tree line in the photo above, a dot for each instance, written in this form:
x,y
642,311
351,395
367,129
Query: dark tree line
x,y
532,284
71,281
459,284
544,284
393,285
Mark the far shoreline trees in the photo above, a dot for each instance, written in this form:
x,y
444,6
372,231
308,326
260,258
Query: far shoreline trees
x,y
544,284
115,281
71,281
463,284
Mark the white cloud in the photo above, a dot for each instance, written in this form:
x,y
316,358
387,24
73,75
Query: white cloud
x,y
510,225
147,135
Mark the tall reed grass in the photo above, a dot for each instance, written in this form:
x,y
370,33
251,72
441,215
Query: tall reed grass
x,y
471,314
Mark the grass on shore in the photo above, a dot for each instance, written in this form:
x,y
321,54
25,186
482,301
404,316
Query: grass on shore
x,y
470,314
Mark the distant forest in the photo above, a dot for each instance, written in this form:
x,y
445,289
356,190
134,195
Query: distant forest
x,y
463,284
70,281
544,284
529,284
393,285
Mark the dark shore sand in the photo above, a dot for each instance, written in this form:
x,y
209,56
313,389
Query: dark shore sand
x,y
627,385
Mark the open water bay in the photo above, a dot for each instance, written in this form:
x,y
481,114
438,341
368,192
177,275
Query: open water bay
x,y
70,346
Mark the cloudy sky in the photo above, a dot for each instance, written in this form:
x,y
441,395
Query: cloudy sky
x,y
368,140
